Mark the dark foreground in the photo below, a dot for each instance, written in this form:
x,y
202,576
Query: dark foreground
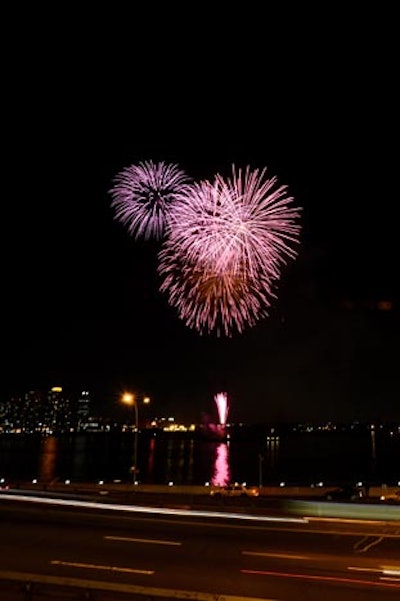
x,y
98,548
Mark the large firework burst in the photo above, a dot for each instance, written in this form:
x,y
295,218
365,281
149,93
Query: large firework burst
x,y
226,247
143,196
243,223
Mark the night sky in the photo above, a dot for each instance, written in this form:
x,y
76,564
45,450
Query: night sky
x,y
314,100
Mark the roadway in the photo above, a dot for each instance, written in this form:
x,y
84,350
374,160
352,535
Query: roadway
x,y
181,553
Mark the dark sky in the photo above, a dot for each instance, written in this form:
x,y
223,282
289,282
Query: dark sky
x,y
313,98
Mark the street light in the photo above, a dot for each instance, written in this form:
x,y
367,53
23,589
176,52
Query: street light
x,y
129,399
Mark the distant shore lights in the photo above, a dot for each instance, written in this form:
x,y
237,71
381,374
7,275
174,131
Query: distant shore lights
x,y
221,400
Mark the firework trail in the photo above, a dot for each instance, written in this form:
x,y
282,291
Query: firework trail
x,y
227,244
221,400
143,197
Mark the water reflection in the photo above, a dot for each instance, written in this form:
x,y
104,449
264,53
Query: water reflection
x,y
272,452
301,457
150,458
222,470
190,462
48,458
177,456
373,448
169,462
180,463
79,457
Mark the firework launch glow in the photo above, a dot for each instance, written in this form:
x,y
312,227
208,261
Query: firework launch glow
x,y
221,400
143,196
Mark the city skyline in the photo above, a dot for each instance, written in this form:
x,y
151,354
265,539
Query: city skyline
x,y
81,296
57,411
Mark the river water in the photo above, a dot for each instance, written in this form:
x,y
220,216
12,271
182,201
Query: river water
x,y
258,457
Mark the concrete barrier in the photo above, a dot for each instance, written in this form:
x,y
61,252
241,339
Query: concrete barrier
x,y
314,492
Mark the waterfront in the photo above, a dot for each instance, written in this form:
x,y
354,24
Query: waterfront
x,y
255,456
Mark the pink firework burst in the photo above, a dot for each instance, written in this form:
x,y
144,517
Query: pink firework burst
x,y
245,222
210,301
228,242
143,197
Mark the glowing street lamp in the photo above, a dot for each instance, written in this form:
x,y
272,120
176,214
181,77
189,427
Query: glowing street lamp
x,y
129,399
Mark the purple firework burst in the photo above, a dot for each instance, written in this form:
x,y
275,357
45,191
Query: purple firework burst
x,y
226,247
143,197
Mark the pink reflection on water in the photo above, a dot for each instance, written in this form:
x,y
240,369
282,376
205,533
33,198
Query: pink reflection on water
x,y
222,470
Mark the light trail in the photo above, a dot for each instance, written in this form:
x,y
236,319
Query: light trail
x,y
276,555
344,520
92,566
154,510
389,573
143,540
322,578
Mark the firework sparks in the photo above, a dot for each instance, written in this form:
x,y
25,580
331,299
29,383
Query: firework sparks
x,y
244,222
221,400
212,302
227,244
143,197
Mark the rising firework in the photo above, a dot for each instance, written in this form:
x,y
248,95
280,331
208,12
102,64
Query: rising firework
x,y
228,242
221,400
143,197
